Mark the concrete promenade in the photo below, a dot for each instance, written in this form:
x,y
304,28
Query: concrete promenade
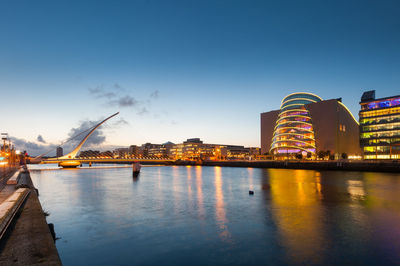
x,y
27,239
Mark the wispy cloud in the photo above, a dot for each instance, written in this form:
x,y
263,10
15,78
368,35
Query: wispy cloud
x,y
99,92
40,139
155,94
118,87
125,101
31,147
143,111
118,96
96,138
120,122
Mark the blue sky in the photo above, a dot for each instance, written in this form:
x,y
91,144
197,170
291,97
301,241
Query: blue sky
x,y
181,69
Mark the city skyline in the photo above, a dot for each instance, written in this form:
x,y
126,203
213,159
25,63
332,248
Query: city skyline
x,y
199,132
177,70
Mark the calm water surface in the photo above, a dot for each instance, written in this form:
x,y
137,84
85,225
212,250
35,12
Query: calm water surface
x,y
204,215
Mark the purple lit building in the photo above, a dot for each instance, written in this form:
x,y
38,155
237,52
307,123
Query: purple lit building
x,y
308,125
380,126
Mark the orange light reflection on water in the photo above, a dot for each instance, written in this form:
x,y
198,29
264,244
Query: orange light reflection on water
x,y
220,212
250,174
189,183
297,211
200,200
175,188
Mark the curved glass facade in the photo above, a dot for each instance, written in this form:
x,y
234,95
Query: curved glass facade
x,y
294,131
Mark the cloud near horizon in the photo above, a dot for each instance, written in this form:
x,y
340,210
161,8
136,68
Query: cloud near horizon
x,y
32,148
40,139
97,139
77,134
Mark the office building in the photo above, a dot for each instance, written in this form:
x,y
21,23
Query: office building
x,y
380,126
195,149
59,151
134,150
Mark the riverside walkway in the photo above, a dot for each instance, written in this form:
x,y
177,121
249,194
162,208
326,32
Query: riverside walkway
x,y
25,237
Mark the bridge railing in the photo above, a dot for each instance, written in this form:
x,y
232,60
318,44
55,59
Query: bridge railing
x,y
124,157
103,158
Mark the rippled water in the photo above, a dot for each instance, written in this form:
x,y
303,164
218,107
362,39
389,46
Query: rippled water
x,y
205,215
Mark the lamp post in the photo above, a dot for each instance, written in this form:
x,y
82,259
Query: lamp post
x,y
4,138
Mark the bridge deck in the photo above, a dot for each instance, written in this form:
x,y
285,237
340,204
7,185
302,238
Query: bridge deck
x,y
106,160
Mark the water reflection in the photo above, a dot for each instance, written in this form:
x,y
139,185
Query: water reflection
x,y
356,189
199,189
189,184
298,214
204,216
383,203
318,184
354,214
176,188
250,176
220,205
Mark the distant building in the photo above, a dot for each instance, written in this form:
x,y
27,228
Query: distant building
x,y
144,149
380,126
195,149
151,149
89,154
193,140
121,153
268,122
306,125
134,150
59,152
157,150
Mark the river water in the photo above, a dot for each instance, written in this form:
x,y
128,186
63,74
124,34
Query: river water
x,y
178,215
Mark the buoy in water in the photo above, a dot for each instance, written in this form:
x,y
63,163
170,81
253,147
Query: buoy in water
x,y
251,192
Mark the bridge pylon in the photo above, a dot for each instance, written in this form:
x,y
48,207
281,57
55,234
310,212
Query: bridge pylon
x,y
69,160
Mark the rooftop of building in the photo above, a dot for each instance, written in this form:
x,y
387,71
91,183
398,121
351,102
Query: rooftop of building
x,y
322,101
369,96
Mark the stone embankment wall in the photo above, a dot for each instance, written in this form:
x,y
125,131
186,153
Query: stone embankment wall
x,y
308,165
28,240
340,165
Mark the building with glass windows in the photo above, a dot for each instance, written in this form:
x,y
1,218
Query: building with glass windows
x,y
195,149
306,125
293,132
380,126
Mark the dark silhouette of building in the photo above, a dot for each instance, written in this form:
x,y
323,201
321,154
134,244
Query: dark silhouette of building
x,y
59,151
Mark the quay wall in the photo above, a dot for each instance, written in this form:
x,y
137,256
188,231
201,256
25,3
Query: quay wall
x,y
339,165
312,165
28,240
393,167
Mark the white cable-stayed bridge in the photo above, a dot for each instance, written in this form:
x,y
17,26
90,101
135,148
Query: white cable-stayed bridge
x,y
72,159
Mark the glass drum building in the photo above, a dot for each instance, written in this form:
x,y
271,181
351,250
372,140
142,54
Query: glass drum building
x,y
294,131
380,126
308,127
